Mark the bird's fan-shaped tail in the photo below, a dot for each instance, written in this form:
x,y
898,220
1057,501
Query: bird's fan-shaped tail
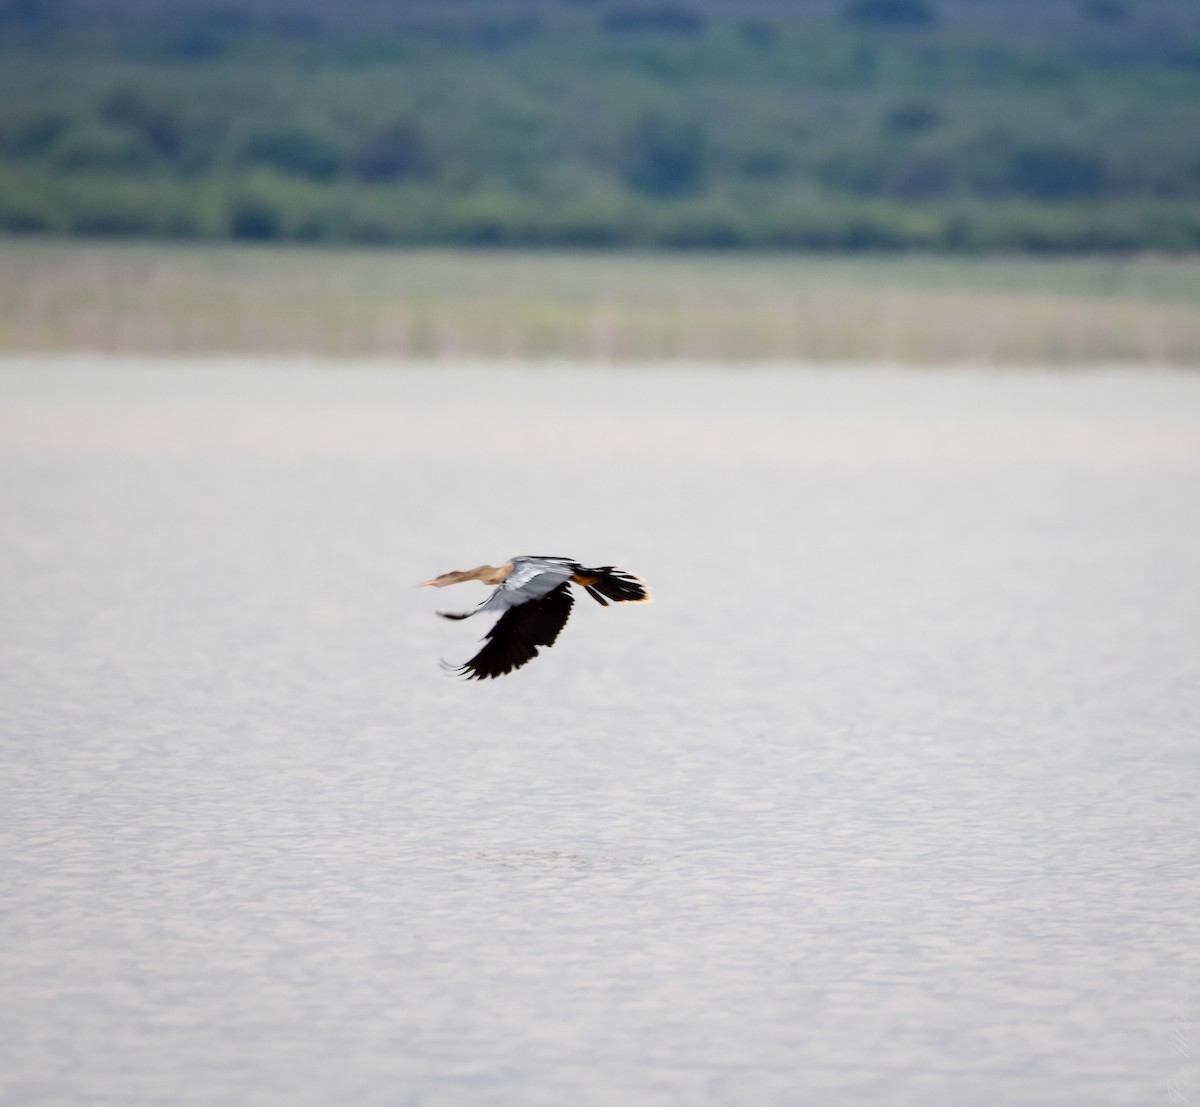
x,y
610,583
518,633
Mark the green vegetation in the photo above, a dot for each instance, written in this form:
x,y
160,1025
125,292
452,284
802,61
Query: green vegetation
x,y
962,125
404,304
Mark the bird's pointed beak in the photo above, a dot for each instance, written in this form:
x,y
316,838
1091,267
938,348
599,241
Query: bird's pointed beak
x,y
437,582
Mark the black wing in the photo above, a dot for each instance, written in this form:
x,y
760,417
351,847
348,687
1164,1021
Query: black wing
x,y
515,638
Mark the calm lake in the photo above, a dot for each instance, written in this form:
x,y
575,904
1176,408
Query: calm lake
x,y
889,798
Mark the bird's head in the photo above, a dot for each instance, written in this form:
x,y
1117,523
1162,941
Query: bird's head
x,y
443,580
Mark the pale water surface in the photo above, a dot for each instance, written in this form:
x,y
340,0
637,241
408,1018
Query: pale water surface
x,y
890,798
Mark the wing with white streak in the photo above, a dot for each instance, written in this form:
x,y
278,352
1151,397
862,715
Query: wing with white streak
x,y
531,579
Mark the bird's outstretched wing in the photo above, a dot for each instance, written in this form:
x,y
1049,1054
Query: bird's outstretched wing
x,y
519,632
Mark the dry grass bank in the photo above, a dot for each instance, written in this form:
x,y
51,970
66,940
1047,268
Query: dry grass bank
x,y
155,299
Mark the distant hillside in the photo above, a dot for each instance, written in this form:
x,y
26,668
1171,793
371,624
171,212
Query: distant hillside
x,y
833,124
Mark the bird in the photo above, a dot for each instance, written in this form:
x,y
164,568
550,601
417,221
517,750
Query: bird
x,y
534,597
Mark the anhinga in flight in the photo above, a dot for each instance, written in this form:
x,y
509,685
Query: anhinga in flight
x,y
534,595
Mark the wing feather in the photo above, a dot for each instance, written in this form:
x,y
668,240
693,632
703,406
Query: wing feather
x,y
518,633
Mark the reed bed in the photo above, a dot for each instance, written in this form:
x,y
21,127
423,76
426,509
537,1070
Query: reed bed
x,y
204,300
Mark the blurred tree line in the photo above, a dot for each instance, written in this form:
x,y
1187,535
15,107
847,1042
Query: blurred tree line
x,y
831,124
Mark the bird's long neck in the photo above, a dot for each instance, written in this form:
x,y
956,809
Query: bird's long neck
x,y
489,574
492,575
